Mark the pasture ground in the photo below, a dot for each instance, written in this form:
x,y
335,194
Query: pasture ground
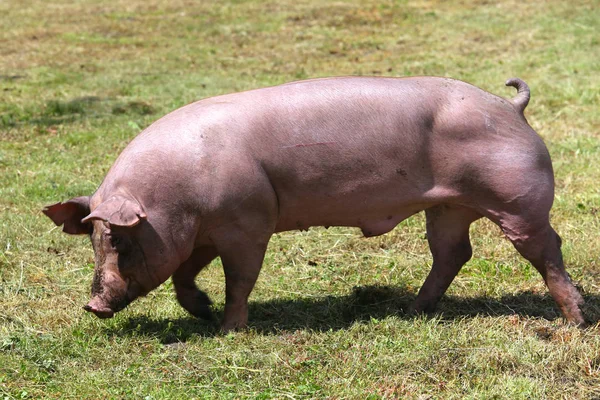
x,y
79,79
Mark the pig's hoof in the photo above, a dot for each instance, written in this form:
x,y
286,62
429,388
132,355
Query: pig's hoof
x,y
203,312
232,327
198,305
579,323
572,313
583,325
420,309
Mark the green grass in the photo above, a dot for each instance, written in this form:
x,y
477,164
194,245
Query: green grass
x,y
79,79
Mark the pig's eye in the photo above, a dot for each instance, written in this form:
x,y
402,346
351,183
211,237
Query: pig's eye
x,y
119,243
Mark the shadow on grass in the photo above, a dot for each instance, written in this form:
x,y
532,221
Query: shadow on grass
x,y
340,312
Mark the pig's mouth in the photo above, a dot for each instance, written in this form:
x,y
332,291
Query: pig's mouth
x,y
100,312
107,309
103,311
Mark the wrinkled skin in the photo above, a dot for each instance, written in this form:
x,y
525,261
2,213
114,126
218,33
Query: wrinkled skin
x,y
218,177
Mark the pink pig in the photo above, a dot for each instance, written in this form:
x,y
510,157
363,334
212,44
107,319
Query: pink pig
x,y
220,176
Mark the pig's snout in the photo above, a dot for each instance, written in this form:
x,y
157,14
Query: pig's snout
x,y
111,292
99,310
117,295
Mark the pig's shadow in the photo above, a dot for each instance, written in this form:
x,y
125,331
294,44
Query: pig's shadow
x,y
339,312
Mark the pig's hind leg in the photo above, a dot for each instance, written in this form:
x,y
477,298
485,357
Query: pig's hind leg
x,y
537,241
448,237
192,299
519,201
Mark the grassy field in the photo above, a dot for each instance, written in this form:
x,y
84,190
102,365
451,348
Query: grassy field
x,y
80,78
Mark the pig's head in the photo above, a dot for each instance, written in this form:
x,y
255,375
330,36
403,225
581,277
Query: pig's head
x,y
131,258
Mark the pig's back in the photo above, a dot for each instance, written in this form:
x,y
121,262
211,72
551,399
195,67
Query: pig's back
x,y
337,151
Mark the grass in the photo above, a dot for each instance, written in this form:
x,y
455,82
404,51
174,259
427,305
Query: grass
x,y
79,79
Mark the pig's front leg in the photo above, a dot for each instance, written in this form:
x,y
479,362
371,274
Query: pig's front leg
x,y
242,253
195,301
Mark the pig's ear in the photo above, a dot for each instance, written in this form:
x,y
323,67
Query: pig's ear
x,y
118,211
70,214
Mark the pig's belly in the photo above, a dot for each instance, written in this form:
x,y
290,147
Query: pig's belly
x,y
374,211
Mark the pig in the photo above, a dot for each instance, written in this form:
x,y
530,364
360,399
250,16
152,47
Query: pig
x,y
218,177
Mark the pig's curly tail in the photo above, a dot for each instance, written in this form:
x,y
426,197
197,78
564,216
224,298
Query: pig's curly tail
x,y
523,94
